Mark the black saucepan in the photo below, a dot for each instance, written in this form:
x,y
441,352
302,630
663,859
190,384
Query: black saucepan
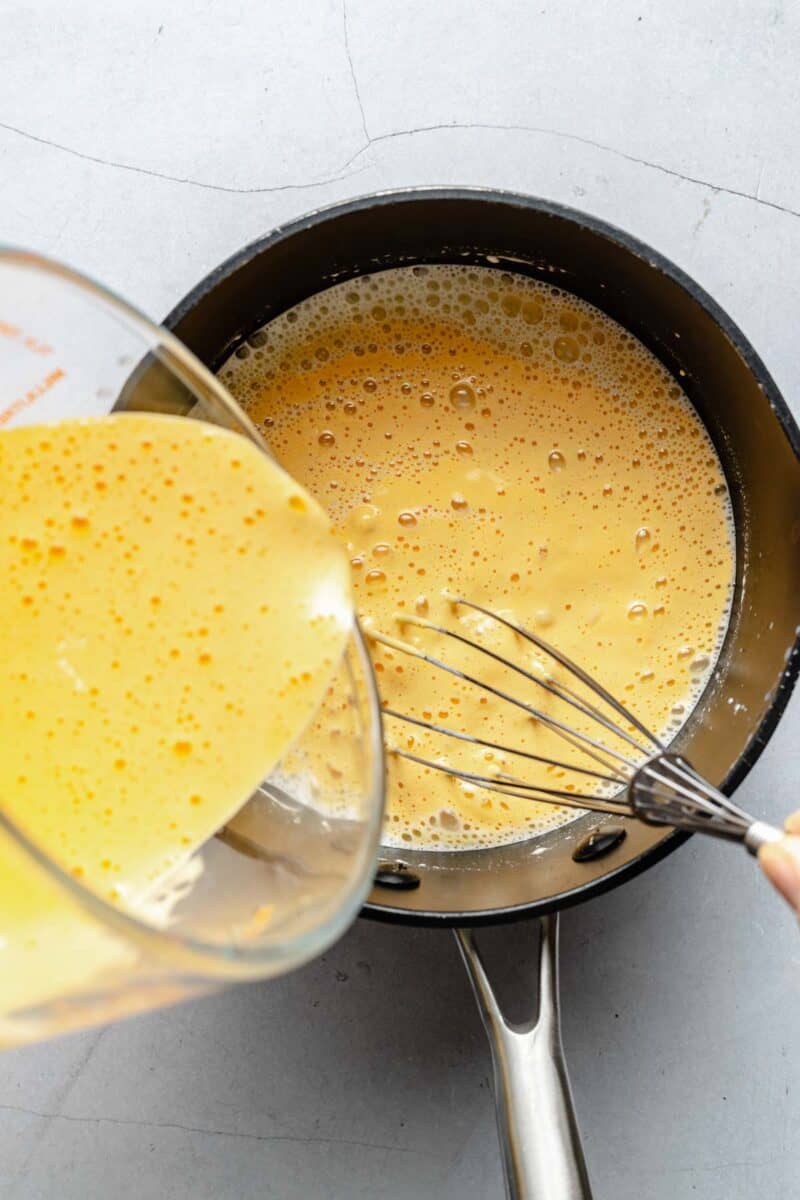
x,y
759,446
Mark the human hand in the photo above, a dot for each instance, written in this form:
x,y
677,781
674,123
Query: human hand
x,y
780,862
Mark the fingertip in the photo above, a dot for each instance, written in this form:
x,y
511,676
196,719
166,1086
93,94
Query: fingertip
x,y
792,823
780,862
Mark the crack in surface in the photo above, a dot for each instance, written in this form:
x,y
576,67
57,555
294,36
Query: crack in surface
x,y
64,1094
542,130
343,172
184,179
311,1139
353,76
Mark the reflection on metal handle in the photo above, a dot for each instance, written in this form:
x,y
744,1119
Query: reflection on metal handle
x,y
539,1137
761,834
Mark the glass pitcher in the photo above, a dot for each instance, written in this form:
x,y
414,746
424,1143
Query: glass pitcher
x,y
285,877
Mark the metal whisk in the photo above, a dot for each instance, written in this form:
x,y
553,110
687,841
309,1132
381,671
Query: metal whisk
x,y
657,787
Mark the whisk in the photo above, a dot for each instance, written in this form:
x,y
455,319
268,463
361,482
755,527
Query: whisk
x,y
658,787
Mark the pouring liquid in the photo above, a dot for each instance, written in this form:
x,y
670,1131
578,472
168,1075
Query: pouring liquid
x,y
173,608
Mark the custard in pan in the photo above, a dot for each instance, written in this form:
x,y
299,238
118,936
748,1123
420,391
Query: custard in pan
x,y
494,436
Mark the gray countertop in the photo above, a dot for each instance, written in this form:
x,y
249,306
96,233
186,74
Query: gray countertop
x,y
144,143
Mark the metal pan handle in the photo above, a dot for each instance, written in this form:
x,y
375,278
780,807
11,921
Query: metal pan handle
x,y
539,1137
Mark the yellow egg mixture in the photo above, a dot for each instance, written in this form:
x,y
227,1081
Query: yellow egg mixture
x,y
173,607
475,431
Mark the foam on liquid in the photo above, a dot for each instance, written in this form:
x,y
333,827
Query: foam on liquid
x,y
173,607
494,436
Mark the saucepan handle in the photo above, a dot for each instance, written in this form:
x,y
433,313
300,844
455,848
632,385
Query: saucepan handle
x,y
539,1137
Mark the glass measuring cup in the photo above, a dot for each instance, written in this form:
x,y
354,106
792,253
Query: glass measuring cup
x,y
286,875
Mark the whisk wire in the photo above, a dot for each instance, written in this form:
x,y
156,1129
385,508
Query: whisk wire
x,y
550,685
659,787
511,787
567,663
537,713
500,747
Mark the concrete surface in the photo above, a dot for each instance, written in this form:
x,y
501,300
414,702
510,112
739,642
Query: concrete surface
x,y
146,142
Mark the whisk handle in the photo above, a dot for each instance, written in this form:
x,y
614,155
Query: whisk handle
x,y
761,833
539,1136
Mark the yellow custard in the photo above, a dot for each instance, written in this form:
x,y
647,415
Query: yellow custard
x,y
173,607
475,431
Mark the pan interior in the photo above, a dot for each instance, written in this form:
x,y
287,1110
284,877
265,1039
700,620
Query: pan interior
x,y
494,436
753,433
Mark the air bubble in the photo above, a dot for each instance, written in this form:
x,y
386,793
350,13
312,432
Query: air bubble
x,y
532,312
462,396
566,349
365,517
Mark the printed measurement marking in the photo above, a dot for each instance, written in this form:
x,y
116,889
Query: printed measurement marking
x,y
31,396
34,344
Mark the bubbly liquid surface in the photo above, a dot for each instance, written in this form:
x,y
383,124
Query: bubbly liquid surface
x,y
474,431
173,606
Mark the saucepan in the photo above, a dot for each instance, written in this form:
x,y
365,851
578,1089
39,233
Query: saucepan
x,y
759,446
